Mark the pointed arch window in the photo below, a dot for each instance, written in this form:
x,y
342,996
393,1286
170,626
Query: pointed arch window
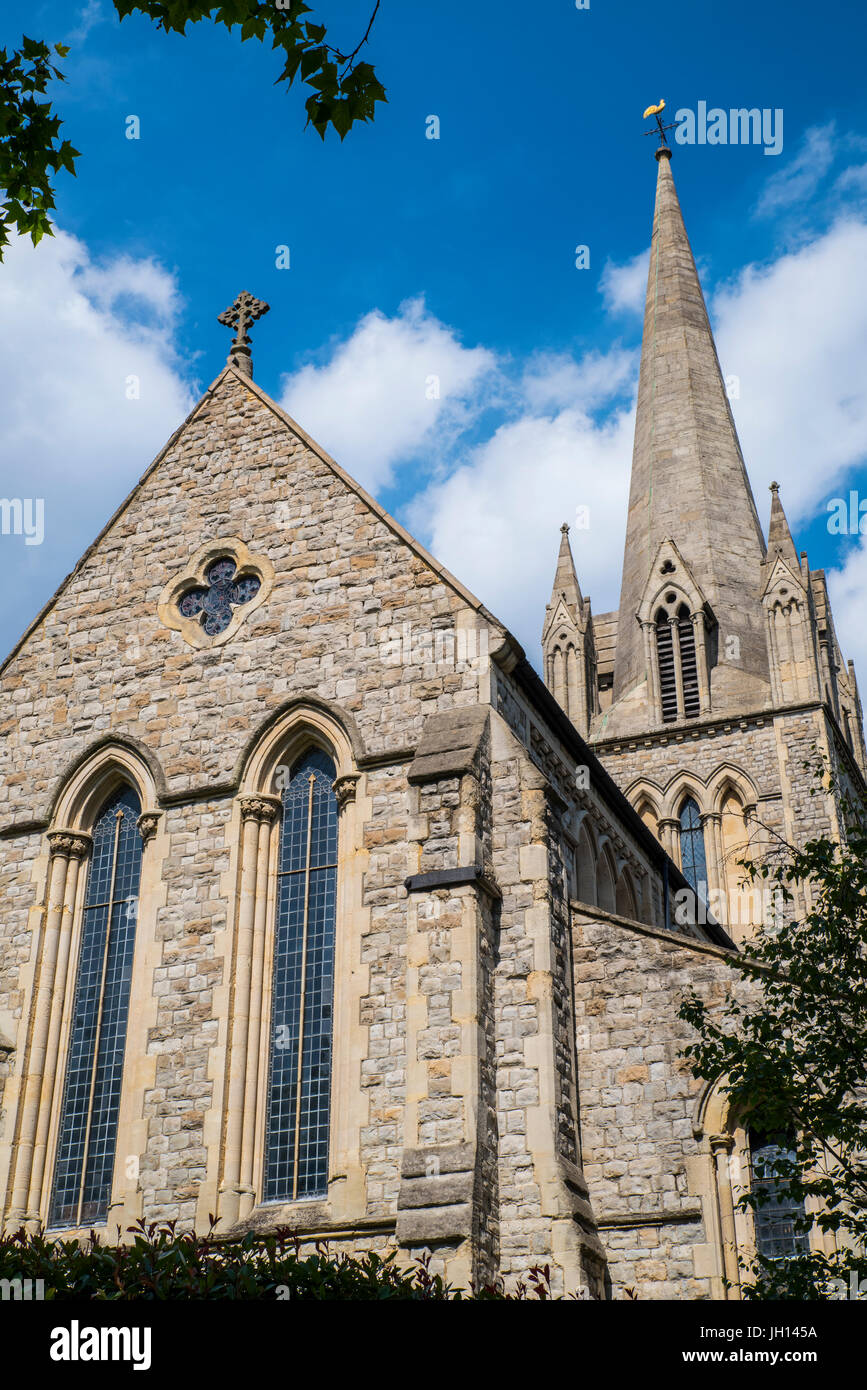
x,y
777,1236
299,1085
677,662
692,854
87,1137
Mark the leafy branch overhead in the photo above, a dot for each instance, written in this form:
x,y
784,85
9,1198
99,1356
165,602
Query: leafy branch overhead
x,y
343,91
30,150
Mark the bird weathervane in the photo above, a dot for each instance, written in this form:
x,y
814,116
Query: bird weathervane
x,y
240,315
659,129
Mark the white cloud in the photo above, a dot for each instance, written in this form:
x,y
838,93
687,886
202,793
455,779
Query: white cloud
x,y
87,18
495,521
847,587
142,287
624,287
555,380
853,180
798,181
795,335
74,333
395,385
492,512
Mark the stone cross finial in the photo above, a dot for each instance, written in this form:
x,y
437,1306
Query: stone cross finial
x,y
240,315
775,487
565,528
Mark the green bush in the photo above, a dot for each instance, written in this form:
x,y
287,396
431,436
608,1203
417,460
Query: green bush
x,y
158,1263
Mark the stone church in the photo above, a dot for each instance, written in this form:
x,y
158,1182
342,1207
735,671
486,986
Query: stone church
x,y
321,909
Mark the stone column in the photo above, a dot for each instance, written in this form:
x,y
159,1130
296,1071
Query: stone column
x,y
67,849
560,678
575,708
703,672
651,662
669,834
257,815
678,667
721,1147
265,813
711,828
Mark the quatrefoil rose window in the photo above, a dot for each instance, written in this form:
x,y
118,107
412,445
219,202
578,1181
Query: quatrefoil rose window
x,y
223,591
220,587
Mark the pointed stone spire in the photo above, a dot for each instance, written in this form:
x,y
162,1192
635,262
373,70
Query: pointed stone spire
x,y
568,646
689,484
779,536
566,580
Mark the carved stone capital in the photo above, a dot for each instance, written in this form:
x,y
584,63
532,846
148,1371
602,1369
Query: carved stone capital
x,y
345,789
721,1143
148,823
72,843
260,808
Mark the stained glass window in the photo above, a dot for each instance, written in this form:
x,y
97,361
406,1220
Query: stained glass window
x,y
776,1237
91,1096
299,1089
213,604
692,856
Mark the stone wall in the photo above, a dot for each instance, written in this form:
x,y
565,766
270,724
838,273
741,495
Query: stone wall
x,y
646,1172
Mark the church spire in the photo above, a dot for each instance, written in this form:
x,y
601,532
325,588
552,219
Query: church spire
x,y
689,483
568,646
779,536
566,584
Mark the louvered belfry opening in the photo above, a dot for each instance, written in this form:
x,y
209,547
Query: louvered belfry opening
x,y
667,678
688,667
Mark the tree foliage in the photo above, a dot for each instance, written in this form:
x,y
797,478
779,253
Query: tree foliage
x,y
792,1052
344,90
30,149
157,1263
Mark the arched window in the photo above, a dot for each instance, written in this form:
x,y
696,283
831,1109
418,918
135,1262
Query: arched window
x,y
299,1088
692,856
677,661
625,898
585,861
91,1096
688,667
605,895
776,1237
667,677
648,814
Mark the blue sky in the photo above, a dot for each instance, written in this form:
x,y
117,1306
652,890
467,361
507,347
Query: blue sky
x,y
453,258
